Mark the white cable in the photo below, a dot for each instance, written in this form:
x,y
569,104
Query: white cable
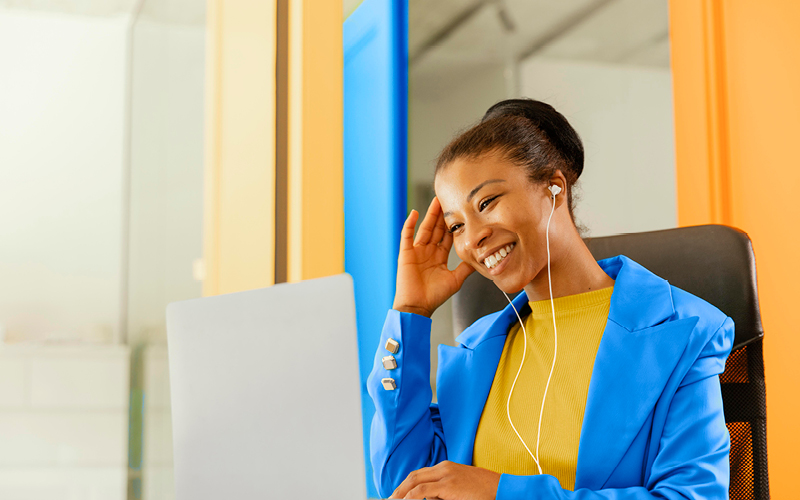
x,y
508,401
525,348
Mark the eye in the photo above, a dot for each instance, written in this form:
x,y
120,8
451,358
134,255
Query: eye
x,y
485,203
454,228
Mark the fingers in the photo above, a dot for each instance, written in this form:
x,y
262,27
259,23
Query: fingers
x,y
450,480
462,272
415,479
428,491
428,224
447,240
407,233
441,227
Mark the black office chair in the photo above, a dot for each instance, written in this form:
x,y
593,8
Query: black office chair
x,y
717,264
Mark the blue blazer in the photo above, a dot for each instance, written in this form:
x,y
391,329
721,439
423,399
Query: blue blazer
x,y
653,426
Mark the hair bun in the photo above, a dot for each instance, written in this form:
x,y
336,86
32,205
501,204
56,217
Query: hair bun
x,y
552,123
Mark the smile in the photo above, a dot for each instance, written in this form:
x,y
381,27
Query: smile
x,y
496,258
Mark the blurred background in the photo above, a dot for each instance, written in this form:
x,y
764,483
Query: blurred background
x,y
101,210
161,150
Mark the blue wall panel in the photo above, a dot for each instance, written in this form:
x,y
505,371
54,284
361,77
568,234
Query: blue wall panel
x,y
375,146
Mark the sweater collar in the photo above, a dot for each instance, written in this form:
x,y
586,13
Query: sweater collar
x,y
640,300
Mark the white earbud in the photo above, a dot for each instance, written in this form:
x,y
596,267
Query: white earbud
x,y
555,189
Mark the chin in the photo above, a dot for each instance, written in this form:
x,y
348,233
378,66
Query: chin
x,y
508,288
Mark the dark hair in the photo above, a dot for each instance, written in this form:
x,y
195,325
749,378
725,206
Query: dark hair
x,y
528,133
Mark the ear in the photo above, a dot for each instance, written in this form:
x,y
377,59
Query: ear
x,y
559,180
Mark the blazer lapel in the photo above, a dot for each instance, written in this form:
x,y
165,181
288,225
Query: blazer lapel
x,y
630,372
465,385
465,377
637,354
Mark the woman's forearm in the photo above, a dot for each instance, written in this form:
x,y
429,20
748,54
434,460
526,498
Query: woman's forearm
x,y
406,432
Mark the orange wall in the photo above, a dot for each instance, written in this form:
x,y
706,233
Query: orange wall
x,y
316,154
737,118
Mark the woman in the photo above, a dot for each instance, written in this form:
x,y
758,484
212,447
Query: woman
x,y
598,382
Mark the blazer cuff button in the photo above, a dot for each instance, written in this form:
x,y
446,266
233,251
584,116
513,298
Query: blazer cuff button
x,y
389,384
392,346
389,362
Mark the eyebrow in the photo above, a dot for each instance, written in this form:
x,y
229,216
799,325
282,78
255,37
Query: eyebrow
x,y
475,191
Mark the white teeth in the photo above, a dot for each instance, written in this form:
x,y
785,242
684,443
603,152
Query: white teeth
x,y
494,259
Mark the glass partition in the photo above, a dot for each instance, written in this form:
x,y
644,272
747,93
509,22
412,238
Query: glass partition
x,y
165,218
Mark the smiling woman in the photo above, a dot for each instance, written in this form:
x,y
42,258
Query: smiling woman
x,y
490,204
504,428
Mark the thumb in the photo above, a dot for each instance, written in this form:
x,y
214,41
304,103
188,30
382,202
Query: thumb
x,y
462,271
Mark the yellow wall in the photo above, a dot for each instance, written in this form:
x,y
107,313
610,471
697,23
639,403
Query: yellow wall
x,y
737,118
239,240
240,146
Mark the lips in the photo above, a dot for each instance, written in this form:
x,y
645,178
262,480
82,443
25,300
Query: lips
x,y
494,260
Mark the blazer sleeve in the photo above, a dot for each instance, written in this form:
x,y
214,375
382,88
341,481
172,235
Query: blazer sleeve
x,y
406,432
693,456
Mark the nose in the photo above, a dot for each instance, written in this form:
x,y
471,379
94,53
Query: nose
x,y
476,236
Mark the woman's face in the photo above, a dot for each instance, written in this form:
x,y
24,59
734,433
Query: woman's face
x,y
492,208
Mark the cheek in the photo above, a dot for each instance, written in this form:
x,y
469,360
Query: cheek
x,y
462,254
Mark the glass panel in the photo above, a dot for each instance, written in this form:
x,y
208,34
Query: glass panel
x,y
165,219
101,205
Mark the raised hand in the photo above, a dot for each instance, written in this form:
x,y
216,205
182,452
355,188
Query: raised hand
x,y
423,280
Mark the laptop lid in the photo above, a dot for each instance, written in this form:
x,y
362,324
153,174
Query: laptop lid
x,y
265,393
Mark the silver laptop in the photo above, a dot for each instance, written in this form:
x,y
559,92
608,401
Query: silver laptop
x,y
265,394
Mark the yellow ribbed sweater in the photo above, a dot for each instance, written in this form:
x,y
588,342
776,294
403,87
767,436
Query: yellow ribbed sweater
x,y
581,320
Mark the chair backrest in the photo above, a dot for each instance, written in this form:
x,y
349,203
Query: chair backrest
x,y
715,263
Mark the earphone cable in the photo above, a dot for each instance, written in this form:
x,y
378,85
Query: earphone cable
x,y
555,329
525,348
508,401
